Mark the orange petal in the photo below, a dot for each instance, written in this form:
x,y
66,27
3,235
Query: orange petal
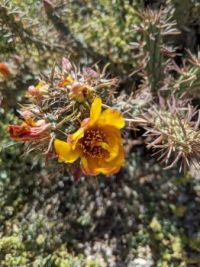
x,y
19,132
25,132
30,122
4,70
111,117
113,166
89,166
67,81
114,141
95,110
65,152
93,167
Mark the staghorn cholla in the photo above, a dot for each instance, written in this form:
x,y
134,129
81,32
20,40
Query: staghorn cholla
x,y
69,108
64,118
174,134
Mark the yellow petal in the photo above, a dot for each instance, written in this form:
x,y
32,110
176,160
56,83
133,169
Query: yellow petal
x,y
93,167
112,147
65,152
113,150
111,117
30,121
114,141
113,166
67,81
73,138
89,166
95,110
103,145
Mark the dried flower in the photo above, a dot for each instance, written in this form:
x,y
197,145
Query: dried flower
x,y
97,142
66,81
39,90
77,90
29,130
81,92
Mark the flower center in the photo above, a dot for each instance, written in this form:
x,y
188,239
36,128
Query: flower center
x,y
91,143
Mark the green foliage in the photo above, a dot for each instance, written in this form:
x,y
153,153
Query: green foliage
x,y
106,26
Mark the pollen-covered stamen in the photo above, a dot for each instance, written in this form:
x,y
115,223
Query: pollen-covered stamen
x,y
91,143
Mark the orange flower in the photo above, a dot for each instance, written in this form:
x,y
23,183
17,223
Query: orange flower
x,y
4,70
29,130
97,143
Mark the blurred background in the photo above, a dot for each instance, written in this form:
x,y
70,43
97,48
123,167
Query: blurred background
x,y
144,216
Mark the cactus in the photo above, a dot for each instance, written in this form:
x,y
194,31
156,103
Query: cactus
x,y
131,55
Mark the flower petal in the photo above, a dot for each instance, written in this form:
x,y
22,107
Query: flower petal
x,y
66,81
95,110
114,141
112,166
113,148
111,117
65,152
89,166
74,138
93,167
19,132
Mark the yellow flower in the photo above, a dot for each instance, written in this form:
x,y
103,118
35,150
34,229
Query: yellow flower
x,y
97,142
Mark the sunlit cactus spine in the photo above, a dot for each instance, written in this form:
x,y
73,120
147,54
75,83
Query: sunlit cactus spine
x,y
174,135
188,81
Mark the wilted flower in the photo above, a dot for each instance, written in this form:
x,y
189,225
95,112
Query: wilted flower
x,y
83,85
39,90
97,143
77,91
90,73
29,130
66,81
81,92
